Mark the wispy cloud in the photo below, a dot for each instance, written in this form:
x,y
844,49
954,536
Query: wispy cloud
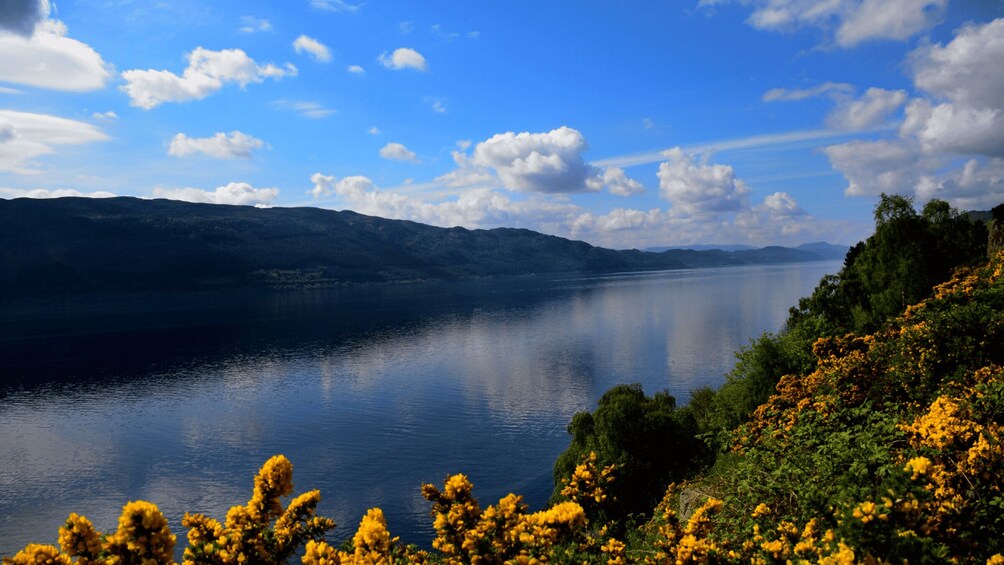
x,y
307,109
755,141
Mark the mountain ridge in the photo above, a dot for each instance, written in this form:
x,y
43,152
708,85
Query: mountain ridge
x,y
71,245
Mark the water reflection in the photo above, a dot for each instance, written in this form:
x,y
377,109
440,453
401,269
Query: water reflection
x,y
369,392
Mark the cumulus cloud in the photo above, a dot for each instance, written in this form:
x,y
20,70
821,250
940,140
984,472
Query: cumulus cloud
x,y
616,181
398,152
207,72
109,115
237,193
850,113
696,189
777,218
849,21
355,69
54,193
403,58
20,16
868,111
538,162
474,208
236,145
548,163
318,50
966,81
951,140
976,185
49,59
874,167
25,136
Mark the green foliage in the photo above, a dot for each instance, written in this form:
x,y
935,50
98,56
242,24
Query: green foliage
x,y
898,265
758,368
652,442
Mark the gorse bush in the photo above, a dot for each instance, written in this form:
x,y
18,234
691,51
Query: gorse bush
x,y
264,532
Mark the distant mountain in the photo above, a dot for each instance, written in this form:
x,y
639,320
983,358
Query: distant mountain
x,y
826,250
701,248
71,245
820,249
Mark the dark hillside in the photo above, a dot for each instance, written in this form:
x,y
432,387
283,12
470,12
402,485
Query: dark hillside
x,y
79,244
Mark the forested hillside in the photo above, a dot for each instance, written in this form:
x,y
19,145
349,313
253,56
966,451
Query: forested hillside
x,y
80,244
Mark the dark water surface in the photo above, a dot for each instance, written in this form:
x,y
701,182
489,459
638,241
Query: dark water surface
x,y
369,392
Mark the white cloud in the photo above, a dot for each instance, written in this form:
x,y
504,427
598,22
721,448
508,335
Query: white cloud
x,y
109,115
549,163
780,206
236,145
467,173
24,136
318,50
355,69
869,111
951,140
956,128
887,19
473,208
850,21
777,219
403,58
207,72
700,190
966,77
827,88
21,16
307,109
56,193
397,152
374,131
977,185
238,193
538,162
49,59
874,167
438,105
616,181
334,6
251,24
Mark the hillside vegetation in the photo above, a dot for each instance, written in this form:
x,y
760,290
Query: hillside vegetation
x,y
79,244
879,446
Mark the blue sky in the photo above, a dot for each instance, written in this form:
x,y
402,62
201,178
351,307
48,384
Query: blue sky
x,y
622,123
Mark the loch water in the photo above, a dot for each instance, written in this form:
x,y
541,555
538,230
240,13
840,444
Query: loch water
x,y
178,399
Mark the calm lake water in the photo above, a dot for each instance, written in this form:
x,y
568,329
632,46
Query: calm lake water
x,y
369,392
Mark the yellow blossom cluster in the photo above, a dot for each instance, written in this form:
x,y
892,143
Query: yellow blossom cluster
x,y
249,535
502,533
589,485
372,545
142,538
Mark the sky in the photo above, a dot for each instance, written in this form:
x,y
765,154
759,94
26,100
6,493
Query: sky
x,y
624,123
